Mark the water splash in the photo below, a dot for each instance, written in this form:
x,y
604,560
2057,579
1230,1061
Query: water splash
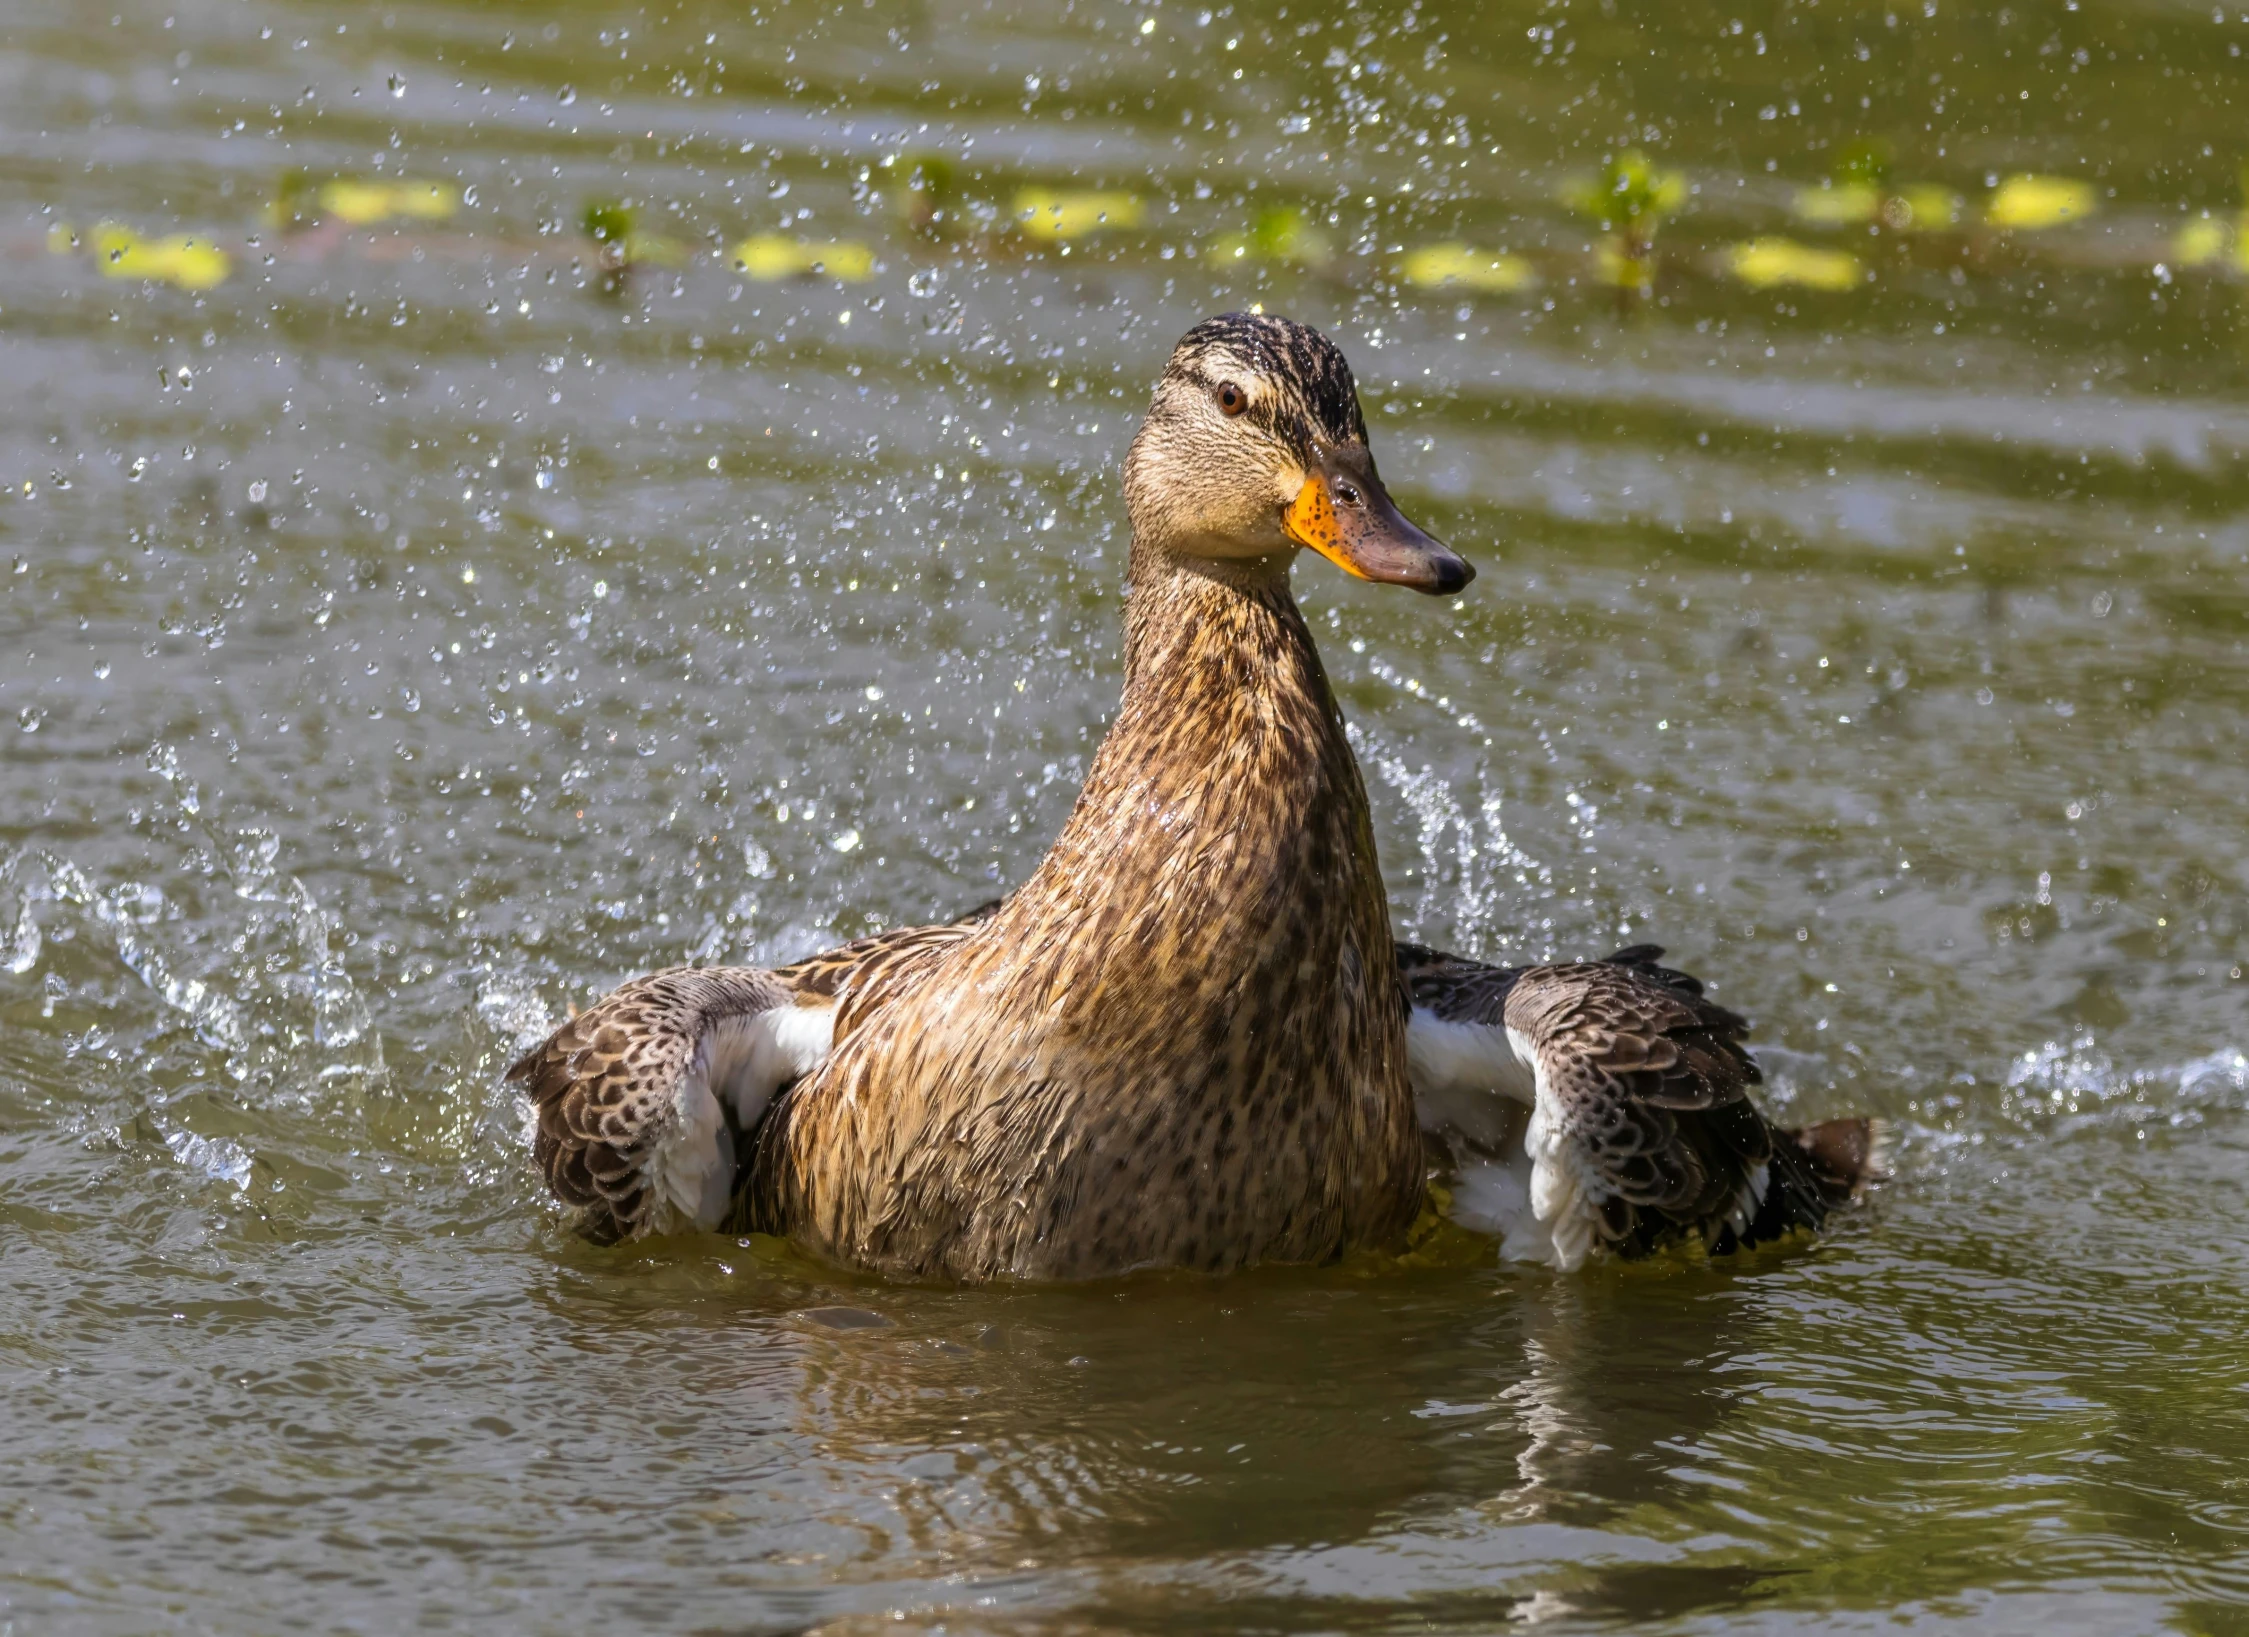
x,y
216,1157
340,1014
121,915
2068,1086
509,1004
25,940
1478,886
164,761
285,987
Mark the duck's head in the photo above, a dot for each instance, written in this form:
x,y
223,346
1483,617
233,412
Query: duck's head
x,y
1255,446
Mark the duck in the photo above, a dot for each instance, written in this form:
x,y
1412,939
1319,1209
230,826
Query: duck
x,y
1190,1039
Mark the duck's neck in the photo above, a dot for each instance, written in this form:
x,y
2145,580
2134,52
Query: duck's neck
x,y
1225,798
1190,615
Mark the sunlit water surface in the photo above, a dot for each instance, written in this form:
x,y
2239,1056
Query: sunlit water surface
x,y
403,638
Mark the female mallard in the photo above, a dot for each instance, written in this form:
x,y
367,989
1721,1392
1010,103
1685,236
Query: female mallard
x,y
1184,1042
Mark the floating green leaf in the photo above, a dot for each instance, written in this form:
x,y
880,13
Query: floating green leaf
x,y
181,259
770,257
1493,272
1765,262
1281,234
2026,201
1045,214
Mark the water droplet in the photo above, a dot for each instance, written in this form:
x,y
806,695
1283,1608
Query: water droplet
x,y
215,1157
397,85
24,944
568,95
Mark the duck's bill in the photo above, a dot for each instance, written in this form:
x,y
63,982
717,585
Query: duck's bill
x,y
1344,513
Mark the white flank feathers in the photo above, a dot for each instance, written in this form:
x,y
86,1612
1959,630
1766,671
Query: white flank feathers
x,y
742,1062
1563,1196
1493,1196
749,1059
691,1168
1460,1071
1472,1078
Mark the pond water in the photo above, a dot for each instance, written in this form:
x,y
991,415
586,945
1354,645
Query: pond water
x,y
413,622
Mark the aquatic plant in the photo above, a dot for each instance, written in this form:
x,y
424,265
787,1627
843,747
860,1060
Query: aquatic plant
x,y
2212,238
771,257
608,222
928,198
611,224
1042,213
2026,201
1630,199
1860,191
1763,263
1490,272
295,203
1281,234
363,203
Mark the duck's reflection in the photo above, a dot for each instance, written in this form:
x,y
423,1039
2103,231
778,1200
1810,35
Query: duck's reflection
x,y
1171,1419
1307,1441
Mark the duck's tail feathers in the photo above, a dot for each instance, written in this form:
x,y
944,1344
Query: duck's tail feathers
x,y
1815,1171
1846,1157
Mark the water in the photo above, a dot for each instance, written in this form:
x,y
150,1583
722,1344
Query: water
x,y
403,636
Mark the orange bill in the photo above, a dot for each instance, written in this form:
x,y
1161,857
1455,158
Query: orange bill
x,y
1344,513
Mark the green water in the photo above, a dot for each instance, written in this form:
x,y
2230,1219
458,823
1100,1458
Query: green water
x,y
404,637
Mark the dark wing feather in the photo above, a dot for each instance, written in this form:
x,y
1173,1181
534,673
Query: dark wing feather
x,y
1642,1127
1453,988
640,1099
620,1132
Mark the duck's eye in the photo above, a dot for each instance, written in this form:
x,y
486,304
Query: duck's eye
x,y
1232,400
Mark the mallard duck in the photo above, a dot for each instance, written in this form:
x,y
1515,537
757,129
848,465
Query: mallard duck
x,y
1189,1039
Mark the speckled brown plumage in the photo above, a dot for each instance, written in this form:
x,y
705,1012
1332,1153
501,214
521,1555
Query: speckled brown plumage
x,y
877,964
1181,1043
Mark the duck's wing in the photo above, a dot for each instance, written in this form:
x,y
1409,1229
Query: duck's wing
x,y
639,1099
1641,1128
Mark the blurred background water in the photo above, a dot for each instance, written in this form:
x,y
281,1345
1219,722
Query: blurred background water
x,y
501,497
